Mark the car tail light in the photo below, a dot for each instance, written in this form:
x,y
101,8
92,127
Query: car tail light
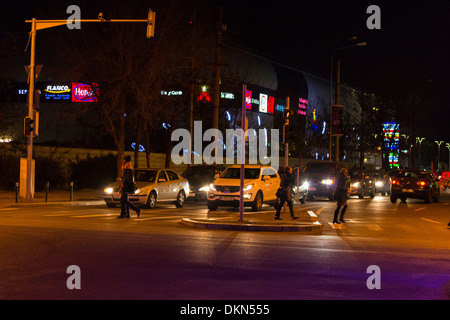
x,y
394,181
422,183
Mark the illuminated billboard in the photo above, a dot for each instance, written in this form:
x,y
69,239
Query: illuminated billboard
x,y
82,92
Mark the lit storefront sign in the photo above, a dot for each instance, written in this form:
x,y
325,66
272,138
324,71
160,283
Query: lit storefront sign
x,y
391,137
302,103
248,99
59,93
82,92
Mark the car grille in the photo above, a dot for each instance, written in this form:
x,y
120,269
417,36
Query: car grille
x,y
228,189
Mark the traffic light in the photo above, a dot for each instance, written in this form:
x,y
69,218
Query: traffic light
x,y
287,114
151,24
27,126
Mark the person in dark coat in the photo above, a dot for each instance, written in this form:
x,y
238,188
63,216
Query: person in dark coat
x,y
341,195
287,181
127,186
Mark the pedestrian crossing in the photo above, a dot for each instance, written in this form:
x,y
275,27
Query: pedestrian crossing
x,y
113,216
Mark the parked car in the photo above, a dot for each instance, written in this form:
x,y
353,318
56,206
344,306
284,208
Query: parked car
x,y
382,182
322,178
302,184
414,184
200,177
152,186
261,183
361,183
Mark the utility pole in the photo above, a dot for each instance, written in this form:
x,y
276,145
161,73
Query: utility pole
x,y
45,24
217,67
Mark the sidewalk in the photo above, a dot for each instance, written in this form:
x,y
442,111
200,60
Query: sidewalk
x,y
83,197
307,221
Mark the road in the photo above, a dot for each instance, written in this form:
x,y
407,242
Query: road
x,y
156,257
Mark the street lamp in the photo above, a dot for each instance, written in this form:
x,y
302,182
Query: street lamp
x,y
419,140
439,151
359,44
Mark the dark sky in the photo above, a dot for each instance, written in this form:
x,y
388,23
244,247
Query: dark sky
x,y
413,45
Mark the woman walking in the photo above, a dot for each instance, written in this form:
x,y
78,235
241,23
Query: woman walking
x,y
286,193
127,186
341,195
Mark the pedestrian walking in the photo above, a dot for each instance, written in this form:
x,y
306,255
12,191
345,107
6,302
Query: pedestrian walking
x,y
341,195
127,186
285,193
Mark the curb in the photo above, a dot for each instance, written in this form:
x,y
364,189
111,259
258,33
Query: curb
x,y
314,227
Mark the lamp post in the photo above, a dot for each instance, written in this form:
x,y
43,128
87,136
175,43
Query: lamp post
x,y
359,44
419,140
439,152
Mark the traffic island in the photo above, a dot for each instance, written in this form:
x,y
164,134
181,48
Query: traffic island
x,y
306,222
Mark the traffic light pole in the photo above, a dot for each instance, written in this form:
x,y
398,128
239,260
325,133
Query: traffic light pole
x,y
32,79
44,24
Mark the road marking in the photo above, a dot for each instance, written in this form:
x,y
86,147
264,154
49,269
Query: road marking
x,y
337,226
93,215
374,227
430,220
423,208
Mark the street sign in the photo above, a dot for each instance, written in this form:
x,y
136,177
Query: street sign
x,y
336,120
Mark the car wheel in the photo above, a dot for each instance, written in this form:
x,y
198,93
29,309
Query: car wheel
x,y
212,206
428,197
361,195
372,194
180,199
151,200
436,198
393,199
257,203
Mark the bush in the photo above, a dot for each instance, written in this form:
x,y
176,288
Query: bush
x,y
94,172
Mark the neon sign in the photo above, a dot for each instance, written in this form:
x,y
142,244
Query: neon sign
x,y
82,92
248,99
302,103
391,137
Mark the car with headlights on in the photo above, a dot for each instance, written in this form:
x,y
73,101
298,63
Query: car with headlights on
x,y
261,183
361,183
382,182
200,177
322,178
151,186
414,184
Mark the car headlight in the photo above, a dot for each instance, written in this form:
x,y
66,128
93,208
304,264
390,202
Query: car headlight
x,y
205,189
108,190
212,187
305,185
355,185
327,182
379,183
249,187
137,191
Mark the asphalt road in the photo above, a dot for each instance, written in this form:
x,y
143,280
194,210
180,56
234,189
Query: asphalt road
x,y
156,257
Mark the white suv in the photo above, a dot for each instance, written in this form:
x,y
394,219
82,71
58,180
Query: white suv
x,y
261,183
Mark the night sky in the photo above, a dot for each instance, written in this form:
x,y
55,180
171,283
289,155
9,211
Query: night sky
x,y
412,46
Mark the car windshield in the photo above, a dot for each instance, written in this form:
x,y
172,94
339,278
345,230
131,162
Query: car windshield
x,y
235,173
320,167
355,174
198,171
413,174
145,175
